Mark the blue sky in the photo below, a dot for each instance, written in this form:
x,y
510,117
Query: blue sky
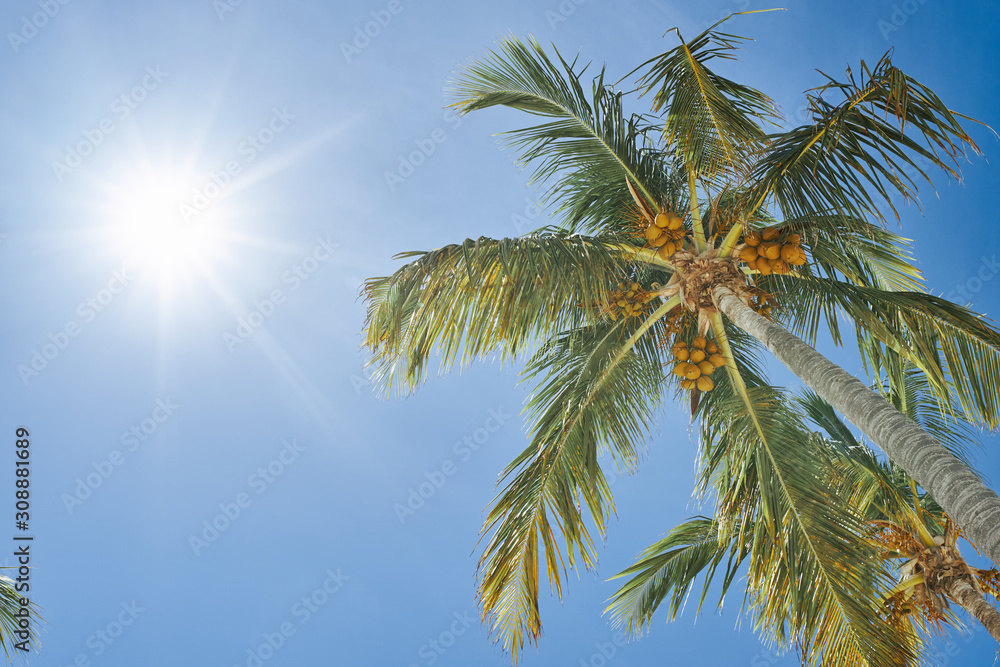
x,y
154,412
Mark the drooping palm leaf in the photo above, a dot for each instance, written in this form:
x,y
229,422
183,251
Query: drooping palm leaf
x,y
484,296
810,578
856,153
667,571
957,349
595,392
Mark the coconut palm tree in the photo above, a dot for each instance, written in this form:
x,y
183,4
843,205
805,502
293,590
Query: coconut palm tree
x,y
693,225
901,523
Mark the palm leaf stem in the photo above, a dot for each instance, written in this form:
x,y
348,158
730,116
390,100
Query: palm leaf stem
x,y
696,224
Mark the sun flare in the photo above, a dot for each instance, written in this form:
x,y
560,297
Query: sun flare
x,y
146,231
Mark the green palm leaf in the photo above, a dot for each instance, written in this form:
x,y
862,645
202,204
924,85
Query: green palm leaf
x,y
953,346
811,579
712,122
853,157
484,296
589,149
591,396
667,570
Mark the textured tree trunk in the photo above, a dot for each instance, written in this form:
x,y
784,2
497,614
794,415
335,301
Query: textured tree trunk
x,y
972,601
969,502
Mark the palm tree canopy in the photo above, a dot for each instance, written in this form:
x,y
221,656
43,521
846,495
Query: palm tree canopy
x,y
592,309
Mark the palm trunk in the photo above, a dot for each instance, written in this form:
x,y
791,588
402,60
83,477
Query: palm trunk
x,y
969,502
972,601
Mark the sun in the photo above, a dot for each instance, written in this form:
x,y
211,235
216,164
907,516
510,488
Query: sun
x,y
145,230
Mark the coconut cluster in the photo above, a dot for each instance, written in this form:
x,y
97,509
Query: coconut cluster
x,y
695,362
772,251
666,234
630,300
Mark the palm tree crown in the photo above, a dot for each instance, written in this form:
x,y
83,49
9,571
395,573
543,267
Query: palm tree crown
x,y
686,233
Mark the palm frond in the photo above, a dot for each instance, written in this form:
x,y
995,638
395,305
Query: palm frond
x,y
864,254
584,155
484,296
10,610
853,158
667,571
957,349
713,123
813,580
595,393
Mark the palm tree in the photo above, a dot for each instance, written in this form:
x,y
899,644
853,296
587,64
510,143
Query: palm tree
x,y
932,572
663,214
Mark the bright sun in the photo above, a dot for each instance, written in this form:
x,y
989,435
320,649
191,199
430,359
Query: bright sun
x,y
145,229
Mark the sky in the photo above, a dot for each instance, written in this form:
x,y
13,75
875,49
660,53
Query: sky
x,y
192,193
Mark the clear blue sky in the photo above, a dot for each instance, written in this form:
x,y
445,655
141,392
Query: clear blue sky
x,y
126,360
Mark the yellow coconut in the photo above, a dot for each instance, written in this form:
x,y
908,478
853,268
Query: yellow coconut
x,y
772,250
661,220
769,233
705,383
764,268
697,356
699,342
752,239
692,372
788,251
683,354
663,239
688,384
681,369
653,232
717,360
706,367
748,254
711,347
